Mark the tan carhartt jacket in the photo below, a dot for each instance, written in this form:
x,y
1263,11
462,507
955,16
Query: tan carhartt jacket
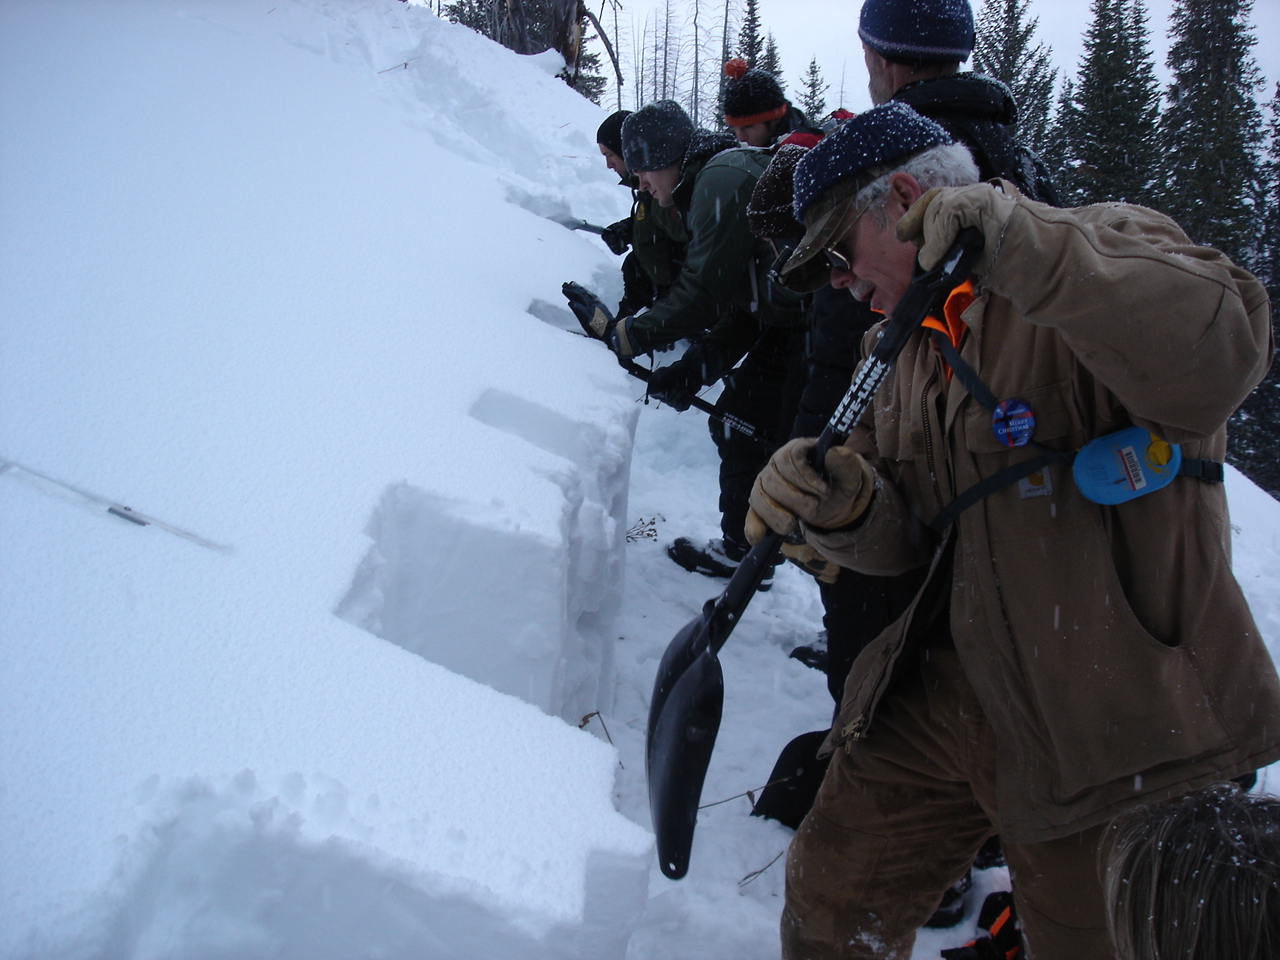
x,y
1111,647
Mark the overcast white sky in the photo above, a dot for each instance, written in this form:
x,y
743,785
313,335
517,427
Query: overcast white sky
x,y
828,30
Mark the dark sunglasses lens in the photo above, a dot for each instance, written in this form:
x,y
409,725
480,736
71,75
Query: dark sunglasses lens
x,y
837,259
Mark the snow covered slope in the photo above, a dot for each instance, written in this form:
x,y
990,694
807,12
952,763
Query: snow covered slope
x,y
278,273
261,290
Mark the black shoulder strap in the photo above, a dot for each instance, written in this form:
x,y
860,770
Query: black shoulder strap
x,y
1211,471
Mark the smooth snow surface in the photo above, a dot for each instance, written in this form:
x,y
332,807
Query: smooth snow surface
x,y
264,293
280,275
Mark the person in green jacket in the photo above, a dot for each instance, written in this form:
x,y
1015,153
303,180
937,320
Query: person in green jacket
x,y
652,237
723,302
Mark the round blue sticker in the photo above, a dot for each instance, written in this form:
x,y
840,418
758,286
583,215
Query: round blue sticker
x,y
1013,423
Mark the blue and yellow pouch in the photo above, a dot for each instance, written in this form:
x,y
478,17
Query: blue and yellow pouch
x,y
1125,465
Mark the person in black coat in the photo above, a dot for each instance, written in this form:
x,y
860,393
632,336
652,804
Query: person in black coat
x,y
913,53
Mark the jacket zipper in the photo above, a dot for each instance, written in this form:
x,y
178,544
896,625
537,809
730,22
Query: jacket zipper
x,y
852,732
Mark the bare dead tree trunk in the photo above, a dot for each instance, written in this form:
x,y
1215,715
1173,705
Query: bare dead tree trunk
x,y
513,28
697,57
613,56
724,54
668,80
566,31
654,72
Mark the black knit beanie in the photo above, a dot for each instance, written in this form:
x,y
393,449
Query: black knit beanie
x,y
934,30
610,132
770,213
751,95
656,136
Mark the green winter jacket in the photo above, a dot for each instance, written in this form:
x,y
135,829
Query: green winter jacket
x,y
658,240
723,296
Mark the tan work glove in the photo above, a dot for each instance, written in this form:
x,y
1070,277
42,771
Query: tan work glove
x,y
788,489
810,561
910,228
933,222
795,549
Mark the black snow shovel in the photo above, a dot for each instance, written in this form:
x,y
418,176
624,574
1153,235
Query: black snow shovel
x,y
688,693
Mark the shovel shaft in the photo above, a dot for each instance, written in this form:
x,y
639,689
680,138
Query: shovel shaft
x,y
687,702
728,419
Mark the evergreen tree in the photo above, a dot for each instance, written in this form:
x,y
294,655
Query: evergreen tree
x,y
1254,431
1106,141
1061,138
1211,129
813,99
1003,50
750,42
476,14
1141,183
587,78
770,62
1269,204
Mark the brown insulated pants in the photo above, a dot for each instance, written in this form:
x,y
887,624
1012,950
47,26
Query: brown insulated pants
x,y
900,818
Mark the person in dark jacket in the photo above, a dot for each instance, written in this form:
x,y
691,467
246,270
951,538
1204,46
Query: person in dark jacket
x,y
913,51
652,239
856,606
723,302
756,110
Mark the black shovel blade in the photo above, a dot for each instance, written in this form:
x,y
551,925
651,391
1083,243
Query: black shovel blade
x,y
682,651
682,735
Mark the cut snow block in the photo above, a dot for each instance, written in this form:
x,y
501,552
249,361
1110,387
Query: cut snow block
x,y
523,612
496,866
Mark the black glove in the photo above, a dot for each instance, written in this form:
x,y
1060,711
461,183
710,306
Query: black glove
x,y
597,322
591,313
617,236
676,384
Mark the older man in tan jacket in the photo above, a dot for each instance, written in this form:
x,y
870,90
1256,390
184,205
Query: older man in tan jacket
x,y
1066,659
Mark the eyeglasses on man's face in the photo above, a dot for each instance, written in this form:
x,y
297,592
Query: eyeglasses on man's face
x,y
835,258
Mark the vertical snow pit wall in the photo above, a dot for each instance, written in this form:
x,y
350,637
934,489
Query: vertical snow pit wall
x,y
594,529
481,601
524,615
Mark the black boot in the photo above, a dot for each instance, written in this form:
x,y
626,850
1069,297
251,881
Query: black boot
x,y
813,654
951,910
716,558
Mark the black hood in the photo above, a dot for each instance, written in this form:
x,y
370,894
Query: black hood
x,y
971,96
705,144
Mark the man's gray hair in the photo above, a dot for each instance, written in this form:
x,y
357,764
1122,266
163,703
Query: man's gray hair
x,y
950,165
